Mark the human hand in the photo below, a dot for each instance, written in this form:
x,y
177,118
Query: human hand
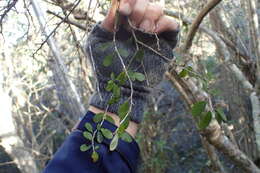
x,y
144,15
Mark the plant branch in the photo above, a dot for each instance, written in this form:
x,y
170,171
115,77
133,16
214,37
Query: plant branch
x,y
196,23
8,7
67,20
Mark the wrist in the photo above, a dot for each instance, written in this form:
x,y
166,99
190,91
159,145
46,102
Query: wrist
x,y
132,127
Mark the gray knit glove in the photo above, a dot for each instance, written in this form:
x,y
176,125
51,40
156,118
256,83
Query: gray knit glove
x,y
100,49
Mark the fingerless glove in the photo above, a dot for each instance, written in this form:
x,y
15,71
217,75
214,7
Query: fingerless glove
x,y
152,62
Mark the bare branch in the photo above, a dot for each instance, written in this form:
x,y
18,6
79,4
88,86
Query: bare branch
x,y
195,25
8,7
67,20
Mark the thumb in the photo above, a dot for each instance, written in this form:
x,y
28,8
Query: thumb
x,y
124,7
109,21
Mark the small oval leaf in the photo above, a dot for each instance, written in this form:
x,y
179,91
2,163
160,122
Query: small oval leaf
x,y
110,85
99,137
123,52
126,137
221,114
139,55
114,143
198,108
94,156
122,78
84,147
98,117
116,91
108,60
87,135
183,73
205,120
88,126
103,46
123,110
123,125
110,119
139,76
107,133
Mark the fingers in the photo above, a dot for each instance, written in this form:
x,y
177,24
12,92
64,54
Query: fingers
x,y
126,6
152,13
144,15
166,23
138,12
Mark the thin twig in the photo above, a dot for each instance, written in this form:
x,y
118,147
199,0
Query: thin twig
x,y
54,30
69,21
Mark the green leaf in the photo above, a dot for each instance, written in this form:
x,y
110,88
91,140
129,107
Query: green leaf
x,y
126,137
96,147
131,75
186,71
113,100
84,147
94,156
218,118
87,135
221,114
110,119
112,75
98,117
122,78
114,143
104,46
190,71
89,127
183,73
124,125
116,91
99,137
139,55
110,85
99,126
198,108
205,120
123,52
107,133
108,60
123,109
139,76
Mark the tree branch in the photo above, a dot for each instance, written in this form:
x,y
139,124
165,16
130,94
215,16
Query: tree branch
x,y
8,7
195,25
67,20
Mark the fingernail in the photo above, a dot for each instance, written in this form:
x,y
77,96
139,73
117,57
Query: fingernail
x,y
145,25
125,9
